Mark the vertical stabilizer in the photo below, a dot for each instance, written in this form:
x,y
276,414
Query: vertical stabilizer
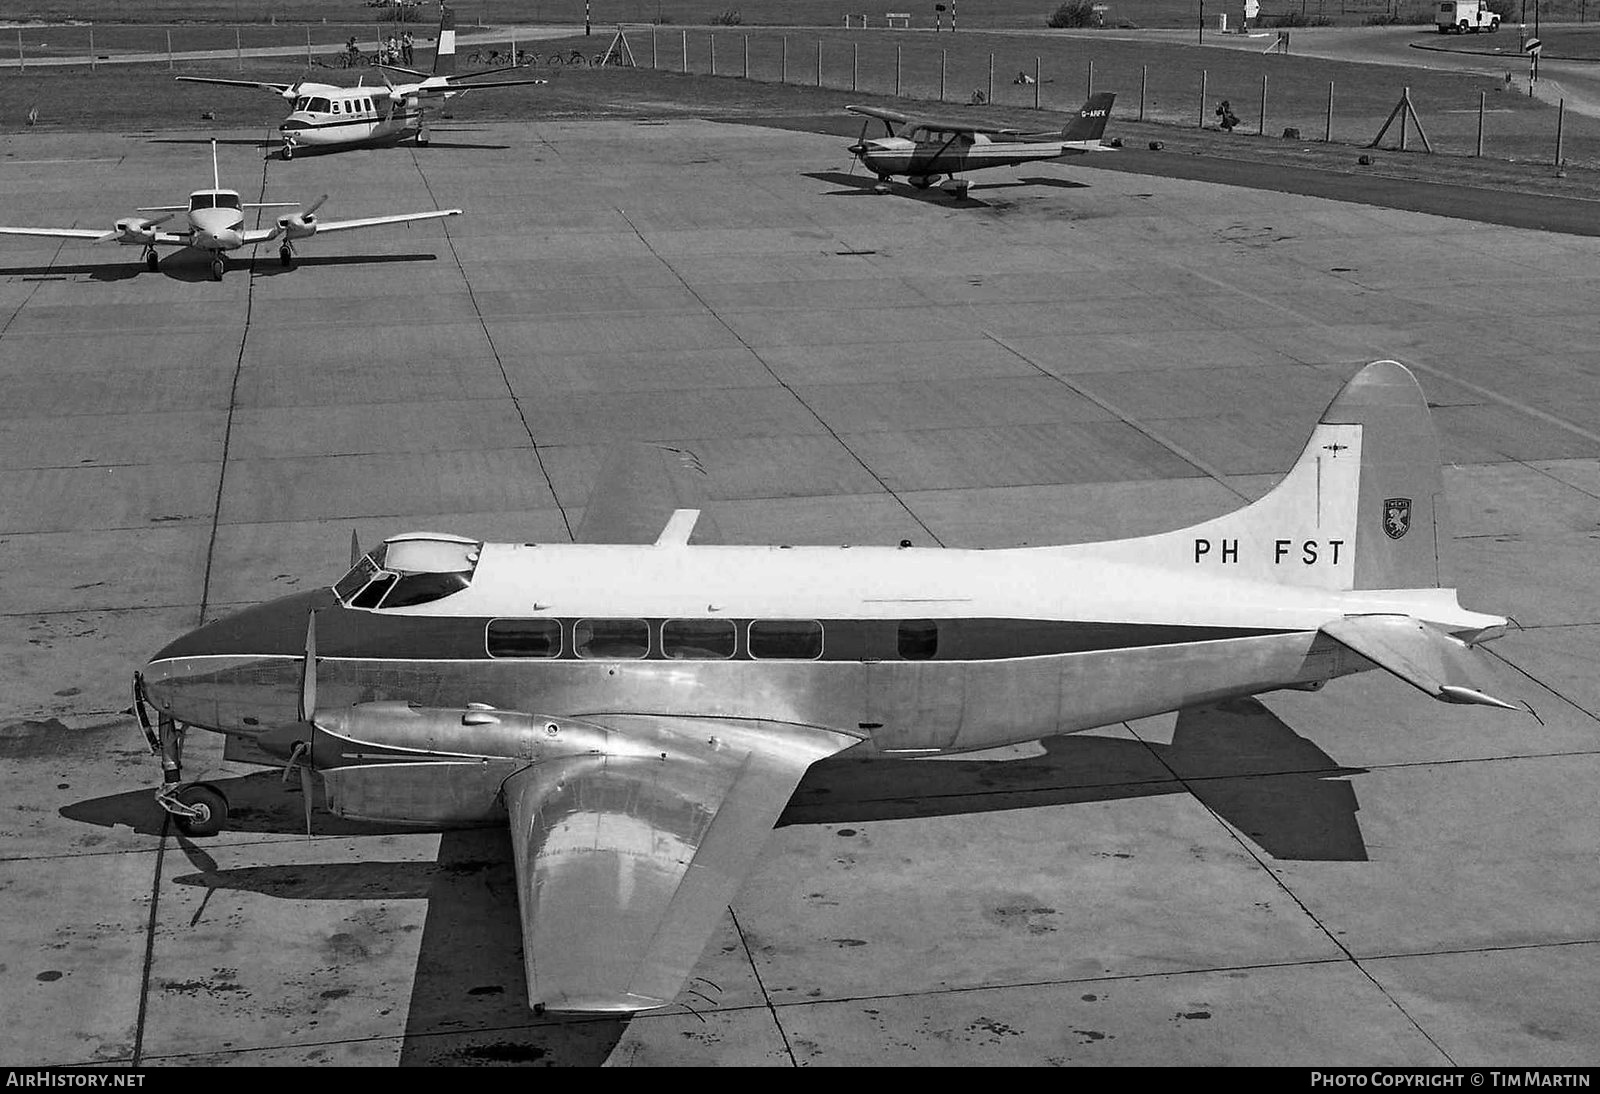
x,y
1090,124
1360,508
444,59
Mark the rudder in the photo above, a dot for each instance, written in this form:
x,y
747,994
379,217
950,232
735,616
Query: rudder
x,y
1090,124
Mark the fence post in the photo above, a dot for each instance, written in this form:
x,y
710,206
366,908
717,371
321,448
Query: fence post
x,y
22,62
169,47
1088,89
308,44
1261,130
1561,113
1327,127
91,50
1144,75
1405,116
819,62
1479,152
991,79
855,61
783,71
1202,122
747,56
897,72
944,55
713,39
238,50
653,29
684,63
1038,80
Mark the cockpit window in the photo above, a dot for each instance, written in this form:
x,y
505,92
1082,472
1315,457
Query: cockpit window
x,y
409,570
303,102
319,105
227,201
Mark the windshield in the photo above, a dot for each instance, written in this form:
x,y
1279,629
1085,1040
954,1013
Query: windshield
x,y
409,570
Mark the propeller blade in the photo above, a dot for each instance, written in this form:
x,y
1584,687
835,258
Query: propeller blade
x,y
305,214
106,237
355,548
308,671
305,794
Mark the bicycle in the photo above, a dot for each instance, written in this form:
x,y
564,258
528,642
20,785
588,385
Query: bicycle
x,y
354,59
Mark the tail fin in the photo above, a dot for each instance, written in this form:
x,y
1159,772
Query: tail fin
x,y
1090,124
444,59
1362,508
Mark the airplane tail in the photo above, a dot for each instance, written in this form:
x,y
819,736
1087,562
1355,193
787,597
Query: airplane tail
x,y
1090,124
1362,508
444,59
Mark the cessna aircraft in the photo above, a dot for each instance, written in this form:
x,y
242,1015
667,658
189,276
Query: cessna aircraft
x,y
326,116
215,220
640,708
925,148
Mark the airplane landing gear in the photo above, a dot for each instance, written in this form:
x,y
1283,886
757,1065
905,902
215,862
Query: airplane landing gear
x,y
217,266
286,256
922,182
152,261
288,148
198,809
956,187
423,138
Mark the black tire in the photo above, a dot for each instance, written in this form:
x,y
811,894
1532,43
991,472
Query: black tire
x,y
285,257
288,152
213,810
217,269
151,262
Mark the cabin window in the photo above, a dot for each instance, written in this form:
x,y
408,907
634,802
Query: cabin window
x,y
786,639
918,639
319,105
336,106
524,637
366,104
373,593
598,638
697,639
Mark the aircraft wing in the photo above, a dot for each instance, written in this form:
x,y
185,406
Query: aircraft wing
x,y
1419,653
325,226
276,89
626,864
879,113
638,489
59,233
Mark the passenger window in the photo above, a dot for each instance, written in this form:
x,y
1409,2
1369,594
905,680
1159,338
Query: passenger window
x,y
611,638
373,593
336,106
788,639
524,638
918,639
701,639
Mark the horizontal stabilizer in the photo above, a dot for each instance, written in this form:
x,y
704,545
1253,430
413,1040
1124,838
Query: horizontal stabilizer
x,y
1422,655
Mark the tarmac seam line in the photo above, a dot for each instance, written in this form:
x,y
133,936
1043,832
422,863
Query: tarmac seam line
x,y
505,377
766,997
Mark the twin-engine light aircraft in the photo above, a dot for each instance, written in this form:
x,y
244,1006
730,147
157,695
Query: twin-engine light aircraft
x,y
215,224
326,116
923,149
640,708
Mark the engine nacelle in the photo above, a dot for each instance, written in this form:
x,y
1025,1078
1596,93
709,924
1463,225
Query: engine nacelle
x,y
298,226
136,230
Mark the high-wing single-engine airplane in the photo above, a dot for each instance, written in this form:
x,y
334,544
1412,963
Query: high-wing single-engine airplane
x,y
923,149
214,222
639,708
326,116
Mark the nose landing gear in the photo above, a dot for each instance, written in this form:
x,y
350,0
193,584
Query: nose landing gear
x,y
152,261
286,255
217,266
198,809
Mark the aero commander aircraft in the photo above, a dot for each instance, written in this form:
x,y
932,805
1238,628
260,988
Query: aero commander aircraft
x,y
215,224
328,117
923,149
639,708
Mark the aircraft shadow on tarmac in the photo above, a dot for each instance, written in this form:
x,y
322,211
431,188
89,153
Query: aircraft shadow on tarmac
x,y
270,148
178,267
865,185
468,1003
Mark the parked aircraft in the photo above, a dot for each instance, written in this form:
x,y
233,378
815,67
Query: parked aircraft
x,y
640,708
328,116
923,149
215,224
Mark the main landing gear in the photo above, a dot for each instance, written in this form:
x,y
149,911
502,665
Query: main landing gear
x,y
198,809
152,261
955,187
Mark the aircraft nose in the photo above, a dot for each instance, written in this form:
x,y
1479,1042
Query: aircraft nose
x,y
237,673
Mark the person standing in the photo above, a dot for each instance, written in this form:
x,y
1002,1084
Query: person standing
x,y
405,48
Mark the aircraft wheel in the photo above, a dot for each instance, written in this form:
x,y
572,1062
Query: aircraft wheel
x,y
151,262
285,257
288,151
212,806
422,139
921,182
217,267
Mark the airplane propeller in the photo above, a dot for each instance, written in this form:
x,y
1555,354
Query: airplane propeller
x,y
857,148
133,229
302,223
355,549
300,755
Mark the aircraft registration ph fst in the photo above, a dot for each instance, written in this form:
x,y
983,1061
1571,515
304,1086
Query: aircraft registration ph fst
x,y
639,707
